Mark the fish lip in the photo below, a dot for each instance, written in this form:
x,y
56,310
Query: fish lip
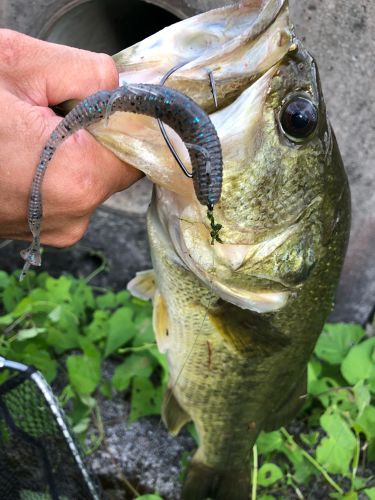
x,y
258,17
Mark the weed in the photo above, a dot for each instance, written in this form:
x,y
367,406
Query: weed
x,y
68,332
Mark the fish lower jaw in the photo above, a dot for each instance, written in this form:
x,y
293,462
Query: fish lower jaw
x,y
260,302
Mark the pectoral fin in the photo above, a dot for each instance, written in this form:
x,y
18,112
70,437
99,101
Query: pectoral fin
x,y
173,415
143,285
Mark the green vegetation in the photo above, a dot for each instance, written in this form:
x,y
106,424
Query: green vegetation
x,y
64,330
338,420
67,330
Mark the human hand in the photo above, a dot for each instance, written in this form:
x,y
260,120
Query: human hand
x,y
33,76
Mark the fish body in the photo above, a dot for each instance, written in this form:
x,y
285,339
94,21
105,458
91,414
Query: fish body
x,y
234,369
238,321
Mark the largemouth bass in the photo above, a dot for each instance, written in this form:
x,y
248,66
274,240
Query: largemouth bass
x,y
238,320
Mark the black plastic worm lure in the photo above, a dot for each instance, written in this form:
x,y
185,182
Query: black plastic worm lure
x,y
178,111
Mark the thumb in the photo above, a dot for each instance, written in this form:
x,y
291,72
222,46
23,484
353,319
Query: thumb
x,y
47,73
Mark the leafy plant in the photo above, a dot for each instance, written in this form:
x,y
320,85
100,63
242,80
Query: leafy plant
x,y
339,421
67,332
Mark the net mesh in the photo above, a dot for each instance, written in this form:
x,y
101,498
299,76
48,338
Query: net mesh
x,y
38,458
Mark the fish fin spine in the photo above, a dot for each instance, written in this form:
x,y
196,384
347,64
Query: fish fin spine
x,y
143,285
173,415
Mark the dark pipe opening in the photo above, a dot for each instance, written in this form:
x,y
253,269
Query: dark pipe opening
x,y
106,25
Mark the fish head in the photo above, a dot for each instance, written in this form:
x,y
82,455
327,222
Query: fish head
x,y
236,45
278,150
278,202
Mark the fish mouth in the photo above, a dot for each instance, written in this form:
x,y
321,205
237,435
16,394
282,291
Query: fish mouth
x,y
256,36
236,44
260,301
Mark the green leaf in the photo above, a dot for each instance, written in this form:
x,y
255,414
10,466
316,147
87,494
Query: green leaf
x,y
370,492
336,340
4,279
314,369
269,474
12,295
350,495
303,470
336,451
269,441
134,365
123,298
98,328
362,396
29,333
84,371
82,426
359,483
82,298
146,399
107,301
61,340
55,314
192,430
145,333
121,330
359,363
59,289
6,320
310,439
106,389
162,361
365,423
322,389
32,355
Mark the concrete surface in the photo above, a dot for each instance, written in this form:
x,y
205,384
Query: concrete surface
x,y
143,454
341,36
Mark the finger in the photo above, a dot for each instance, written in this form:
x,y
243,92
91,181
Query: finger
x,y
83,174
48,73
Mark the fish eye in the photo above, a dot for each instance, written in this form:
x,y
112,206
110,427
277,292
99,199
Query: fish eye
x,y
298,118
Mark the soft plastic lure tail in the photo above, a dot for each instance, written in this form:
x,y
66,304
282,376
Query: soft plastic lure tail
x,y
177,110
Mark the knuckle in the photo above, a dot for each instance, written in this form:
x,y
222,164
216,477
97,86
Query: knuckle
x,y
11,45
107,72
70,236
83,195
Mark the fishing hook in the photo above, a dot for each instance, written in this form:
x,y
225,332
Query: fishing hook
x,y
161,124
